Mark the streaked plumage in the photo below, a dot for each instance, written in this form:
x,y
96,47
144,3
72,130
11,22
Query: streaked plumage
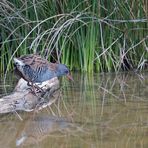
x,y
33,68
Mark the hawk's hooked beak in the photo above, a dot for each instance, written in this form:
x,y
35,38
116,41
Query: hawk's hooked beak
x,y
69,77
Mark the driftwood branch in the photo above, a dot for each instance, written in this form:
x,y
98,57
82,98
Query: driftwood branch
x,y
24,98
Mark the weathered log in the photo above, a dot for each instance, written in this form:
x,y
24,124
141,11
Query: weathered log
x,y
24,98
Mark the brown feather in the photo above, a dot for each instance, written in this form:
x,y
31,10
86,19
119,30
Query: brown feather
x,y
36,61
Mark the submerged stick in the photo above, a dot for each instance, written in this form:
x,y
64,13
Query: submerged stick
x,y
23,98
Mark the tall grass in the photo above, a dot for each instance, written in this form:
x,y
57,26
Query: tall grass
x,y
87,36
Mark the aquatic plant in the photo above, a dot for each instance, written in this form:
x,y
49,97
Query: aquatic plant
x,y
87,36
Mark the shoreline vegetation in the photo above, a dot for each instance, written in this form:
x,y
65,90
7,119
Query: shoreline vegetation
x,y
92,36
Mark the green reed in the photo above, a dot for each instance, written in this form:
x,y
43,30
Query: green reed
x,y
86,36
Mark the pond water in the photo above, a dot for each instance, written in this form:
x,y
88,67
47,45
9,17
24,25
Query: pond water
x,y
94,111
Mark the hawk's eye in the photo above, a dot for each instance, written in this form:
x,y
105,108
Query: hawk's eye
x,y
66,71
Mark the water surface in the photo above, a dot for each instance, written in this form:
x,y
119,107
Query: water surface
x,y
100,110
